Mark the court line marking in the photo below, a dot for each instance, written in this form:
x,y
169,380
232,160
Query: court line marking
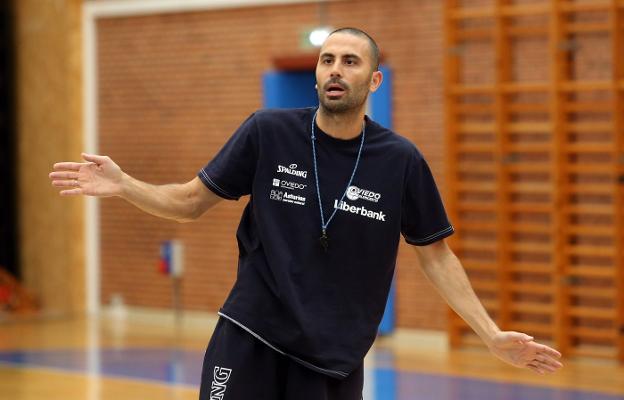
x,y
519,381
91,375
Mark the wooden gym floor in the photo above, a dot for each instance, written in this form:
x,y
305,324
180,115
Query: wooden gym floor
x,y
151,357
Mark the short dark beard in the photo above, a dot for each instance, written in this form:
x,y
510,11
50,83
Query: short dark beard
x,y
340,106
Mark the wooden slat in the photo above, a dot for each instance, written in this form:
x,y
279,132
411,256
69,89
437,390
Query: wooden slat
x,y
473,206
539,248
527,227
589,127
530,127
593,5
594,352
588,148
468,108
476,127
593,333
617,70
524,87
597,106
471,89
592,292
528,107
590,168
523,10
586,27
590,272
532,328
530,147
528,167
536,268
502,75
591,230
469,34
451,78
471,13
559,70
533,308
592,312
515,10
479,266
476,187
591,209
587,250
521,287
478,245
586,86
485,168
475,147
527,31
476,226
532,187
592,188
538,208
481,285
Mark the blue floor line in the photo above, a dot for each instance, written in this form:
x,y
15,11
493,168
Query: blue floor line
x,y
172,366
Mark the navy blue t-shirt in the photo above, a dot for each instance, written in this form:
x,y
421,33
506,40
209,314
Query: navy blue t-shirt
x,y
322,308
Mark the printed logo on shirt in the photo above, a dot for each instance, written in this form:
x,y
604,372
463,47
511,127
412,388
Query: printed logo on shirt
x,y
292,170
288,185
285,197
354,193
220,378
378,215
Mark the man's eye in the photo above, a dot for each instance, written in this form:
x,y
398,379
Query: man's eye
x,y
327,61
350,62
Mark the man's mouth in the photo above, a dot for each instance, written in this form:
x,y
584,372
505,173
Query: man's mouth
x,y
334,90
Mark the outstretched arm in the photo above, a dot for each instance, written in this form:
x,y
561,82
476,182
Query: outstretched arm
x,y
100,176
444,270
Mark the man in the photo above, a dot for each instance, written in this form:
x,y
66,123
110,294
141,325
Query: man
x,y
331,193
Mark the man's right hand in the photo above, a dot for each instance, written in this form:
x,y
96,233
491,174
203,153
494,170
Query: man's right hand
x,y
98,176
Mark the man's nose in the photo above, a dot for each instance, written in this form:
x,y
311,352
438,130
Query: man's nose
x,y
335,71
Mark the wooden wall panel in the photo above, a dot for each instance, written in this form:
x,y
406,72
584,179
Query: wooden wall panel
x,y
548,154
49,129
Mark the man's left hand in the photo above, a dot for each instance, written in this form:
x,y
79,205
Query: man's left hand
x,y
519,350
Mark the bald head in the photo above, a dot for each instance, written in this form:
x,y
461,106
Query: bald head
x,y
374,50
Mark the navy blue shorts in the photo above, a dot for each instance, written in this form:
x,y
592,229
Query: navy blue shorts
x,y
237,366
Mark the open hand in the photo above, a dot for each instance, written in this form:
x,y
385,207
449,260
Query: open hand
x,y
521,351
99,176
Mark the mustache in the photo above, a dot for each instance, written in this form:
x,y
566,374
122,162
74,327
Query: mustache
x,y
335,81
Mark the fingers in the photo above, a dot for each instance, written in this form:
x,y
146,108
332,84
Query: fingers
x,y
72,192
548,361
66,183
535,367
94,158
65,179
542,367
64,175
545,360
68,166
542,349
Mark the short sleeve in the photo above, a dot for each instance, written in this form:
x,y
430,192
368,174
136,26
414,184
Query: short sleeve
x,y
423,218
230,173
